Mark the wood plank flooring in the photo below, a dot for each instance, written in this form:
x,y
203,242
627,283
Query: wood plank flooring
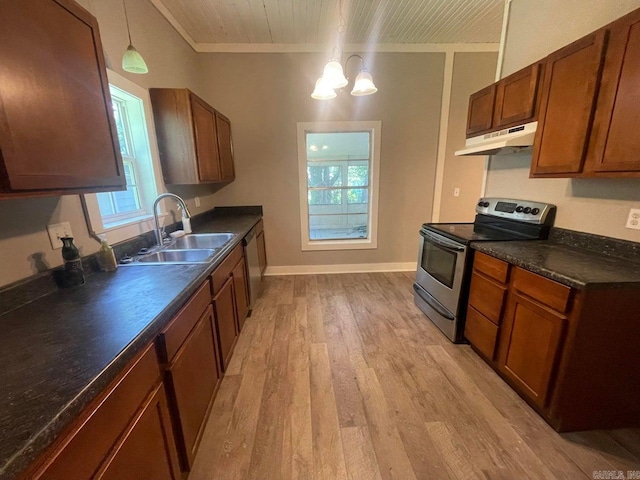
x,y
342,377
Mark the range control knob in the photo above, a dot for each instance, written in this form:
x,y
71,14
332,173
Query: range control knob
x,y
527,210
485,204
535,211
481,203
519,209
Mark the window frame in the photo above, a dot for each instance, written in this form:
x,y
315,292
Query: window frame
x,y
131,226
374,128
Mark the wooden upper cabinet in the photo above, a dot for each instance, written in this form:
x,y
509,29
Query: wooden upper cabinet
x,y
615,142
193,138
480,116
57,134
569,90
207,153
225,148
516,97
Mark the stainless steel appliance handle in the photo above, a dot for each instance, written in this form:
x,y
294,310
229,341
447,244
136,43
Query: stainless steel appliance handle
x,y
441,242
433,303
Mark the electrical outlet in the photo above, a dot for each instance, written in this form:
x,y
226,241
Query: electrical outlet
x,y
197,199
633,221
456,192
57,231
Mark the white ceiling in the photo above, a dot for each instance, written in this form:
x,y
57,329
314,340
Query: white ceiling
x,y
311,25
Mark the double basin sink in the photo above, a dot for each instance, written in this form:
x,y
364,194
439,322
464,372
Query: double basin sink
x,y
193,248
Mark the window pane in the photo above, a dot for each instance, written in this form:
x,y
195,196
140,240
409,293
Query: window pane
x,y
337,227
338,146
118,115
358,175
105,204
326,176
127,201
358,195
325,197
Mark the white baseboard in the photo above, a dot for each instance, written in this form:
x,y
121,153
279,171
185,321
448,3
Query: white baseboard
x,y
344,268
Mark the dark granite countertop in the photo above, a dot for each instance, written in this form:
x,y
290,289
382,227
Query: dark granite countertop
x,y
570,265
59,351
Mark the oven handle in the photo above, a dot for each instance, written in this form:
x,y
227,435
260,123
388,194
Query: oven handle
x,y
438,240
433,303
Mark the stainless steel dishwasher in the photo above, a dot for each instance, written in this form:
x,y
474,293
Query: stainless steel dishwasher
x,y
253,266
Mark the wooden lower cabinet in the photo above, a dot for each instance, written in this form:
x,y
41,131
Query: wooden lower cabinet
x,y
192,379
128,418
486,301
481,332
570,353
147,448
225,319
530,345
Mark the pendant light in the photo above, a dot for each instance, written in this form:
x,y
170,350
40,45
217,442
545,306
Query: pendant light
x,y
132,61
323,90
333,77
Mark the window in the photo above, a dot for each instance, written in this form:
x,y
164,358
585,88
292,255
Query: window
x,y
338,175
125,214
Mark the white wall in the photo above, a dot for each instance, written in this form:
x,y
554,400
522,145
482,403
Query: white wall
x,y
598,206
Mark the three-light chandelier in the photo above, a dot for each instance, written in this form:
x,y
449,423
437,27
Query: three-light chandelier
x,y
333,77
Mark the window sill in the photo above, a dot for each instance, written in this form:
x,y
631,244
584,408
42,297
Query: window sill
x,y
364,244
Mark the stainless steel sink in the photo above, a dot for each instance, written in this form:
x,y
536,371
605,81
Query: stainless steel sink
x,y
203,240
178,256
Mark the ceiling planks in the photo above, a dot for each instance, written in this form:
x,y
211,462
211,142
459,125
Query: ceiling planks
x,y
314,22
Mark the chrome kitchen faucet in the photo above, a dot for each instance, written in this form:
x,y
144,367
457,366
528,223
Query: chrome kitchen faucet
x,y
181,204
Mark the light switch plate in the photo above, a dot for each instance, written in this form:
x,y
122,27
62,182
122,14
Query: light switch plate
x,y
633,220
456,192
57,231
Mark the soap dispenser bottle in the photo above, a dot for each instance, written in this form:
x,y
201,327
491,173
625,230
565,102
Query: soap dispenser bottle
x,y
106,257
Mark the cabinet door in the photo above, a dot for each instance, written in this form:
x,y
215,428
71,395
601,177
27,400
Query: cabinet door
x,y
516,97
225,319
147,448
193,378
240,289
530,343
57,133
480,115
571,78
225,148
204,125
262,252
615,142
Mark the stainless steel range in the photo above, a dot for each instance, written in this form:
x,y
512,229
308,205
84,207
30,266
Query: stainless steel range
x,y
445,259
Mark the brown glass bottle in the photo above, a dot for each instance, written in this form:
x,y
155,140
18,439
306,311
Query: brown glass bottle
x,y
73,273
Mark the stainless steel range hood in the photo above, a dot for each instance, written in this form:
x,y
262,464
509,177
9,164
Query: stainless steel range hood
x,y
510,140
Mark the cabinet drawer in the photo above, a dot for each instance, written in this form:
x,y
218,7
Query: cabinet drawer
x,y
491,266
487,297
221,273
103,422
543,290
176,332
481,333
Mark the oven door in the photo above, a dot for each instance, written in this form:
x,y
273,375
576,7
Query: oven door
x,y
441,268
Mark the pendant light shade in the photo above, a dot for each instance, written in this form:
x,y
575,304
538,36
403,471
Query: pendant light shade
x,y
363,84
323,91
133,62
334,75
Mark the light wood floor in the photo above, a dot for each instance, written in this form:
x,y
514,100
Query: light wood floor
x,y
341,376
